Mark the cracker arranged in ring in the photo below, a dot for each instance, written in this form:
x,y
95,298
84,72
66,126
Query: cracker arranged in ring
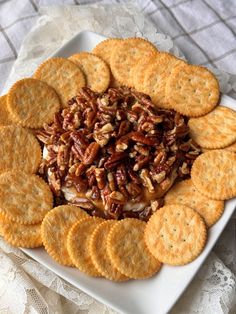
x,y
24,198
27,236
96,71
19,149
78,245
99,255
6,117
156,76
128,252
175,234
55,227
216,129
213,174
185,193
192,90
126,55
63,75
32,102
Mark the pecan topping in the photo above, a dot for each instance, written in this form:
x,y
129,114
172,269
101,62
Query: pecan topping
x,y
111,146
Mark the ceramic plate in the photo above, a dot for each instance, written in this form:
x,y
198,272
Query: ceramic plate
x,y
151,296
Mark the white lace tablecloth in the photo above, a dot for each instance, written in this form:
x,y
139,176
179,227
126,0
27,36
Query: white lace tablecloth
x,y
28,287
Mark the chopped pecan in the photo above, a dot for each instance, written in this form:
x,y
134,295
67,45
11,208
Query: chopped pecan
x,y
83,203
114,160
117,197
147,181
100,177
139,137
90,153
121,175
111,181
140,162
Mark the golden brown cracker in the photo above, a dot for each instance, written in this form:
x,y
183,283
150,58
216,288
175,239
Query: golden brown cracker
x,y
138,71
96,71
126,55
213,174
24,198
176,234
19,149
27,236
6,117
217,129
63,75
156,76
192,90
185,193
55,227
78,245
99,255
32,102
128,252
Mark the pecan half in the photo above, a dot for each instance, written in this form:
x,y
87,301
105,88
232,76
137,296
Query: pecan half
x,y
90,153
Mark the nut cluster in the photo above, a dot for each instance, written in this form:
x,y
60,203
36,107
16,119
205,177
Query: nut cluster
x,y
116,147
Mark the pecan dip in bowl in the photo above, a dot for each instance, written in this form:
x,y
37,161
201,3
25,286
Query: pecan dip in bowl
x,y
115,154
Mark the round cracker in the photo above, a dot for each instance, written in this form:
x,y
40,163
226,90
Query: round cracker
x,y
78,244
24,198
216,129
176,234
63,75
126,55
156,76
27,236
128,252
99,255
96,71
6,118
19,149
138,71
32,102
213,174
185,193
192,90
55,227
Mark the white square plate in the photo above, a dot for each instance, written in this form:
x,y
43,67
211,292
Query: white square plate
x,y
151,296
